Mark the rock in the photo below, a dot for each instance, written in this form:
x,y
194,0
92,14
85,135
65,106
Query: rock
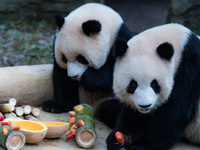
x,y
186,12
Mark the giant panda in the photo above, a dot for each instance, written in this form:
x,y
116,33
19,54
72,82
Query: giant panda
x,y
83,64
157,75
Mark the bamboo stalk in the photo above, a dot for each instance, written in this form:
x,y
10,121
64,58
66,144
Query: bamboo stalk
x,y
35,111
13,139
19,111
5,108
27,109
11,101
30,117
10,115
85,135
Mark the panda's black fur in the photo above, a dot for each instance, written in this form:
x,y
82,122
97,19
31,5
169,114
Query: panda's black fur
x,y
162,128
66,90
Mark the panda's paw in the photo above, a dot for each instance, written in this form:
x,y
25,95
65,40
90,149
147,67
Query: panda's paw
x,y
112,143
54,107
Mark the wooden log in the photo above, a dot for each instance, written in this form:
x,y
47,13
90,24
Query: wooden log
x,y
11,139
28,84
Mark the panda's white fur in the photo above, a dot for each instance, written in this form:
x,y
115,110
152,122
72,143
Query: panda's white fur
x,y
95,48
144,65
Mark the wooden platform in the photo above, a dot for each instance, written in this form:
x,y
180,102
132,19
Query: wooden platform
x,y
33,85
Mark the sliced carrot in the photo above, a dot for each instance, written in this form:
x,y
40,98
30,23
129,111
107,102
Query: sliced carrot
x,y
119,137
72,120
70,126
73,131
9,122
5,131
15,127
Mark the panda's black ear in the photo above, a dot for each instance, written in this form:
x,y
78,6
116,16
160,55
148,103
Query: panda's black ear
x,y
59,20
165,51
91,26
119,49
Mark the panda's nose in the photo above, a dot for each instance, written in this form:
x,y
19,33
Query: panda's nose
x,y
145,106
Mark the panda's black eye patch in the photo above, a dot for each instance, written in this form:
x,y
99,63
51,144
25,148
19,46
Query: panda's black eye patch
x,y
155,86
64,59
132,86
82,60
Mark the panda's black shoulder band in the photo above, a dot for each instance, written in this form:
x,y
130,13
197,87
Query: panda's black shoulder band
x,y
119,49
91,26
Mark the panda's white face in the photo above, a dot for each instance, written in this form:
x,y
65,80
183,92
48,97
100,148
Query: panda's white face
x,y
145,85
77,49
144,76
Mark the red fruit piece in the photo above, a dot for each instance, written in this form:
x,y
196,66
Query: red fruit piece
x,y
80,123
69,136
71,113
119,137
1,117
4,123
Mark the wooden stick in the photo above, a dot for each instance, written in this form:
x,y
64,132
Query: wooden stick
x,y
30,117
27,109
28,78
6,108
10,115
19,111
35,111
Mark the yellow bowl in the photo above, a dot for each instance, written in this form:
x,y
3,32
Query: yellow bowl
x,y
56,129
34,131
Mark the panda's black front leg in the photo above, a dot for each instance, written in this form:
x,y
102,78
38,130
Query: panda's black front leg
x,y
65,92
123,125
112,143
98,79
132,124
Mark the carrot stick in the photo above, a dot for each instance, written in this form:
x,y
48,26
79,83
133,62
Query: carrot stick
x,y
119,137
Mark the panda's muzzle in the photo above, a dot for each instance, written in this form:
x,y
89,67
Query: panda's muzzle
x,y
75,70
